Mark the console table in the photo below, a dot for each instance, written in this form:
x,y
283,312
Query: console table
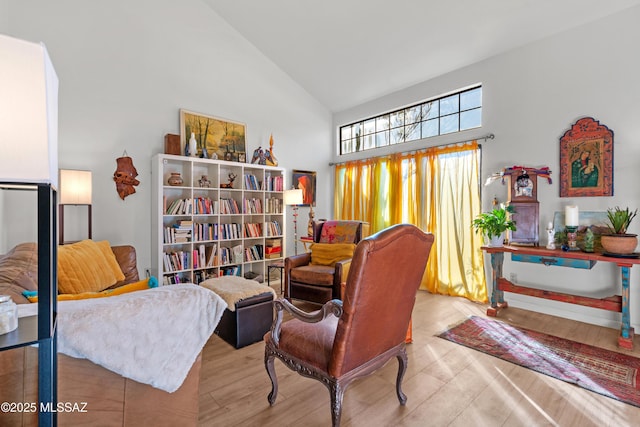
x,y
557,257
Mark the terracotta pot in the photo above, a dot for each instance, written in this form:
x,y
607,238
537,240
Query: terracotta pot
x,y
622,244
175,179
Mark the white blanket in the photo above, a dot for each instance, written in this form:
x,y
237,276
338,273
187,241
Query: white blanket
x,y
151,336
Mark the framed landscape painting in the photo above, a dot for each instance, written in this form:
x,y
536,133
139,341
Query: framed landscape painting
x,y
217,138
586,160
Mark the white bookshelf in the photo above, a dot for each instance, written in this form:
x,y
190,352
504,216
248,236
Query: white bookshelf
x,y
237,224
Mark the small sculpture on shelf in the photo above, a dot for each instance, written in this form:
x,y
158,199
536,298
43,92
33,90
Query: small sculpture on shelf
x,y
270,158
310,223
259,157
589,240
193,146
204,182
232,178
551,237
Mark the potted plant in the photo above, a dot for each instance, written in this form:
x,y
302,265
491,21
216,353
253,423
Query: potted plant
x,y
618,241
493,224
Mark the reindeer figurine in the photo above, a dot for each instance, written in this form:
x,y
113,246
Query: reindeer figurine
x,y
232,177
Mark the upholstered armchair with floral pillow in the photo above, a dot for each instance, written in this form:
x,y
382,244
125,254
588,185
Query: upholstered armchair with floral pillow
x,y
316,276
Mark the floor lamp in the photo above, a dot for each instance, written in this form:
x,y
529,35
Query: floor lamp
x,y
75,189
29,160
293,198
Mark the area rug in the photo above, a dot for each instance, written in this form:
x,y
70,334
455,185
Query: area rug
x,y
606,372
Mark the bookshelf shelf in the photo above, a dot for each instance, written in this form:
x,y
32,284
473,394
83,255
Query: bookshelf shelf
x,y
242,226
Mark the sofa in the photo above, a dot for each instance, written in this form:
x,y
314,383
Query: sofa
x,y
108,398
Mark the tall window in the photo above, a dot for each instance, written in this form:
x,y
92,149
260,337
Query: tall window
x,y
437,190
451,113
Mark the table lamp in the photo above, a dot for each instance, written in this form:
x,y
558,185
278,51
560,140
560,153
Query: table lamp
x,y
75,190
293,198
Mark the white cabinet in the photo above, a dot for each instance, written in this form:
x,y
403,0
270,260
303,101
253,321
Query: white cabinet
x,y
225,218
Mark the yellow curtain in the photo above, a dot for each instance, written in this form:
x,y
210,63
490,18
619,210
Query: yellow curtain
x,y
437,190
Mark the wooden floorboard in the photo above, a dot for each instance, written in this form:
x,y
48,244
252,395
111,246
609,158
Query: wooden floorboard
x,y
446,384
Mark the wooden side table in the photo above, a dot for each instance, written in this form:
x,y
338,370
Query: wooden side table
x,y
573,259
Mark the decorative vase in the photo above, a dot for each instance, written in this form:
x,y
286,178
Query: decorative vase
x,y
175,179
496,240
204,182
193,146
619,244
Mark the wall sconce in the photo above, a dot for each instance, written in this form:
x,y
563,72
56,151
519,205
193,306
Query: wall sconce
x,y
293,198
75,189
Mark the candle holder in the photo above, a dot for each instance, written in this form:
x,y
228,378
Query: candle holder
x,y
572,231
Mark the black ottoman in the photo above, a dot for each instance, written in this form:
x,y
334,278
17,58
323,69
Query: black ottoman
x,y
249,322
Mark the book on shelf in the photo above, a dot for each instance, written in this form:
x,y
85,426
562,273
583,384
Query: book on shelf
x,y
273,205
273,228
210,253
202,260
237,254
272,248
251,182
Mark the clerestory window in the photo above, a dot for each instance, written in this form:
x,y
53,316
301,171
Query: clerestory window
x,y
447,114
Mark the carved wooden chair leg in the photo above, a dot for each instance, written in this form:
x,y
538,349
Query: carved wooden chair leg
x,y
268,364
402,368
337,393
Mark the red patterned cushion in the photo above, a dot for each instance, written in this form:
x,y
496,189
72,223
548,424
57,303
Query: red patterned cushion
x,y
339,232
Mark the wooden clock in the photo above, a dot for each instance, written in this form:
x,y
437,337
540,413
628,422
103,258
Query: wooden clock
x,y
523,189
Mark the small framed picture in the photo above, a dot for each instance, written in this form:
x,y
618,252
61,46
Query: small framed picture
x,y
305,180
242,158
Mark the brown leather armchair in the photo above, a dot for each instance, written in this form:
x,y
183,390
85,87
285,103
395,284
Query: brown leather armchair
x,y
352,338
320,283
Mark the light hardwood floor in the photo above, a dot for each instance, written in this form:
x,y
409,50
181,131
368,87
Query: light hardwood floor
x,y
446,384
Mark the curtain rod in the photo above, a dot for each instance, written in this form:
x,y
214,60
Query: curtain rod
x,y
486,137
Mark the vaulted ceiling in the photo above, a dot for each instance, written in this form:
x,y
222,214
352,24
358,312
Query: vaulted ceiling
x,y
346,52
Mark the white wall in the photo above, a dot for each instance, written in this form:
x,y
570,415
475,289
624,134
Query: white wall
x,y
127,67
532,95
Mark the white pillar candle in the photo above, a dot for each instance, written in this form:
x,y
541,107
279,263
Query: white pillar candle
x,y
571,216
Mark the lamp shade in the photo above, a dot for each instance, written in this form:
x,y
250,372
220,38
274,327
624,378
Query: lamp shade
x,y
75,187
28,113
293,197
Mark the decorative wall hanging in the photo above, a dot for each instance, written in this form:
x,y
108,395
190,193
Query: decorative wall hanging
x,y
125,176
216,138
306,181
586,160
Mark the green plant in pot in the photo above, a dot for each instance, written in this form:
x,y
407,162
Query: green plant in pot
x,y
618,241
493,224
